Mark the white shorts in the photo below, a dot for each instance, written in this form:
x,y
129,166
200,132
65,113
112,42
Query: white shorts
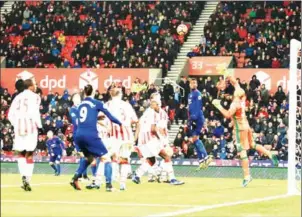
x,y
151,149
119,148
27,142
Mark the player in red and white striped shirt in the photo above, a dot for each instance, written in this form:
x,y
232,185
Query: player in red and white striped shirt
x,y
24,114
151,137
121,138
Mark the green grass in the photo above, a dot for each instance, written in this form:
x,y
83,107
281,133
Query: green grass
x,y
144,199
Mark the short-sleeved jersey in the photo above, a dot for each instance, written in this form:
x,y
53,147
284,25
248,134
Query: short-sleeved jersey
x,y
162,122
74,114
55,145
24,113
195,104
149,118
124,112
239,118
88,115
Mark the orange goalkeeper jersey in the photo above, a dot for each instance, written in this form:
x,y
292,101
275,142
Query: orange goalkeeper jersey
x,y
239,118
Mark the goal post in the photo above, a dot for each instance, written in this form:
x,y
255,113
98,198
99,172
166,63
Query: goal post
x,y
294,129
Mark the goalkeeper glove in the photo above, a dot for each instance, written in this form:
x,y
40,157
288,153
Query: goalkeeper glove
x,y
216,103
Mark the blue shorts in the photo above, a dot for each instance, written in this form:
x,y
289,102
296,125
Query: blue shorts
x,y
56,157
90,144
195,126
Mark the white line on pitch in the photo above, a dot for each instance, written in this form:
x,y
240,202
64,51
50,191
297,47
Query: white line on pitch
x,y
215,206
40,184
95,203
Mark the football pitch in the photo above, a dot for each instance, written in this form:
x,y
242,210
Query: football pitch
x,y
200,196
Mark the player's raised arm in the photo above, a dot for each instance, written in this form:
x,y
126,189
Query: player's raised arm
x,y
233,81
226,113
101,107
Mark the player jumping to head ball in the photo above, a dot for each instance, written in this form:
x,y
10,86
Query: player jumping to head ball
x,y
242,131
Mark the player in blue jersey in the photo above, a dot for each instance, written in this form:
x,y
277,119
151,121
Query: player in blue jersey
x,y
87,137
74,115
195,124
55,147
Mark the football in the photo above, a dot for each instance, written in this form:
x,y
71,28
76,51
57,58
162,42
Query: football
x,y
182,29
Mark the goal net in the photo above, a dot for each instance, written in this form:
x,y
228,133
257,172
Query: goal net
x,y
294,130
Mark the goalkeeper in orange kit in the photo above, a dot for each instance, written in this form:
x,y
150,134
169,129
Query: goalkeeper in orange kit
x,y
242,131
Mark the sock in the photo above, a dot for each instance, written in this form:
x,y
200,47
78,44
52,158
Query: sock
x,y
129,168
54,167
245,168
115,170
154,170
262,150
82,167
84,174
200,149
29,168
59,168
142,169
167,166
22,165
99,173
124,173
108,172
93,169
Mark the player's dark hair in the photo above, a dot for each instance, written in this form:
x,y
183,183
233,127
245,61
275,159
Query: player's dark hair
x,y
193,79
28,83
88,89
19,85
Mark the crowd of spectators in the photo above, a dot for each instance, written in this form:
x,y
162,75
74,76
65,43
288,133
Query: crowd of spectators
x,y
267,115
92,34
256,34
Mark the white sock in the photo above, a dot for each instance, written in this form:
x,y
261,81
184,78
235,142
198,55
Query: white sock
x,y
142,169
22,165
29,168
99,174
124,173
167,167
115,171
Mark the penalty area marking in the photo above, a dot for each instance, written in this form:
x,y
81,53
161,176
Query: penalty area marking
x,y
40,184
95,203
216,206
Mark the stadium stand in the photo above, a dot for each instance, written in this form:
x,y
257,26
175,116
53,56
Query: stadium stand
x,y
73,35
95,34
256,34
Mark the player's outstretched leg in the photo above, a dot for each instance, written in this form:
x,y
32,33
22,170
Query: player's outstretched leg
x,y
168,167
94,168
143,168
203,157
266,152
108,176
245,167
82,167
